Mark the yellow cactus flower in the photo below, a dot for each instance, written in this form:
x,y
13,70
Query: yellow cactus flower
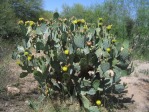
x,y
85,27
66,52
74,22
100,19
31,23
65,68
109,27
100,24
29,58
20,22
108,49
82,21
18,62
26,23
26,53
41,19
113,41
98,102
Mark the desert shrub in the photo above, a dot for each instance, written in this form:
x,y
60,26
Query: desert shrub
x,y
75,59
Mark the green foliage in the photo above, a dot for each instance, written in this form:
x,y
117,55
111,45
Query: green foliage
x,y
56,15
83,62
7,19
27,9
13,10
46,14
76,10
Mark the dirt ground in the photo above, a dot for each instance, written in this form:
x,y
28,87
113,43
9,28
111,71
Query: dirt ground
x,y
138,87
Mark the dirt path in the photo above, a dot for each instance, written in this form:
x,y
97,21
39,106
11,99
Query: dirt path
x,y
138,86
14,100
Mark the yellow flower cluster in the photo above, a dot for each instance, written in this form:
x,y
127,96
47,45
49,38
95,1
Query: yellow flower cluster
x,y
30,23
20,22
28,55
78,21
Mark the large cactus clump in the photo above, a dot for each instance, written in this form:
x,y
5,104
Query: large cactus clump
x,y
75,58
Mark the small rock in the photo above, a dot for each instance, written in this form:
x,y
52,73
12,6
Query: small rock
x,y
27,102
6,104
12,90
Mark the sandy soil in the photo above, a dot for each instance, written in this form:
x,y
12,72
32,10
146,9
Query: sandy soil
x,y
138,87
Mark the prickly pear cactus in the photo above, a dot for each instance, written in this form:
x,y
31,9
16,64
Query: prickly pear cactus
x,y
71,56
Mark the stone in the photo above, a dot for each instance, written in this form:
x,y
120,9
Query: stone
x,y
12,90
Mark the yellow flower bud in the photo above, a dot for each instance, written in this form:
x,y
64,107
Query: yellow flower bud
x,y
31,23
85,27
82,21
100,19
20,22
100,24
113,40
41,19
26,53
98,102
108,49
65,68
66,52
74,22
26,23
109,27
29,58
